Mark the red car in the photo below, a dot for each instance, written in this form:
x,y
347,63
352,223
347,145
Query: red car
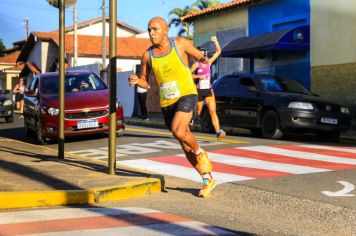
x,y
86,109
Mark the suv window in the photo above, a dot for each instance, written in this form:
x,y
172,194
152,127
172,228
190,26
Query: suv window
x,y
245,85
227,85
275,84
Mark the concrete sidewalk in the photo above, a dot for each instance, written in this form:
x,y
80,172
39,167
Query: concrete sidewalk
x,y
33,176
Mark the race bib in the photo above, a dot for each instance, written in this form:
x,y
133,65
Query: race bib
x,y
169,90
204,83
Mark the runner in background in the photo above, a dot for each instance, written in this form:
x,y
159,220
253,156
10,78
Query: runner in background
x,y
202,75
19,90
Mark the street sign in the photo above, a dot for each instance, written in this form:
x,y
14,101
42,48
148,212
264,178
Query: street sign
x,y
54,3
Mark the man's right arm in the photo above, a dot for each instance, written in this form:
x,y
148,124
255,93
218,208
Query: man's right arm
x,y
142,80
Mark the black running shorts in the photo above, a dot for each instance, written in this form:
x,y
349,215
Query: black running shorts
x,y
186,104
203,93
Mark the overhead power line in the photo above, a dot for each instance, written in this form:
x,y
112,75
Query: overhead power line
x,y
11,18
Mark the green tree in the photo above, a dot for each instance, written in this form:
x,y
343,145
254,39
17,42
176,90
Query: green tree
x,y
177,13
2,48
203,4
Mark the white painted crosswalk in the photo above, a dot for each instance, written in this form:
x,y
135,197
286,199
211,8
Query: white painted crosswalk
x,y
252,162
102,221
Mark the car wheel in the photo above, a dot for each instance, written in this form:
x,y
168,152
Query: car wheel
x,y
270,126
39,135
9,119
205,122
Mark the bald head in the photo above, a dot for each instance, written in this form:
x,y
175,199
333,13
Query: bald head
x,y
158,31
159,20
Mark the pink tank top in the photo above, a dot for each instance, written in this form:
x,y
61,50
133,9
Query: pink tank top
x,y
204,83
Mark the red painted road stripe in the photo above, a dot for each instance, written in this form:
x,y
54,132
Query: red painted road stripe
x,y
284,159
100,222
318,151
223,168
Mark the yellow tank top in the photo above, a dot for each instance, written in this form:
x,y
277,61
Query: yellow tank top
x,y
173,76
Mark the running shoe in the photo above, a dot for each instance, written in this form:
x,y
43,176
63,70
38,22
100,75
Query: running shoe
x,y
220,134
208,186
203,164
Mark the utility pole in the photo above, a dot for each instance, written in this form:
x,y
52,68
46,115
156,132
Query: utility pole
x,y
61,5
26,23
103,43
61,79
75,19
112,88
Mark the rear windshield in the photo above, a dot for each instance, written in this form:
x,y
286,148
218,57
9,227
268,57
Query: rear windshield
x,y
73,83
274,84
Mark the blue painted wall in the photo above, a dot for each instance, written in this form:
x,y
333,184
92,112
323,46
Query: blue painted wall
x,y
279,15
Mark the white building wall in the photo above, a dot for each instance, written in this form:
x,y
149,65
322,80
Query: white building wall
x,y
36,55
122,64
96,30
49,54
143,35
333,32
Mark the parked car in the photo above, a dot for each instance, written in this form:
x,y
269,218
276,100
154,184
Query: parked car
x,y
86,106
6,105
271,105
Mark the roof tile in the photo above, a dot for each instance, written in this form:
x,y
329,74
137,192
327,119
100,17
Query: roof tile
x,y
10,58
90,46
218,8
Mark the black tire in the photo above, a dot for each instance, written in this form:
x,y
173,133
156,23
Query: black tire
x,y
39,135
270,126
9,119
205,122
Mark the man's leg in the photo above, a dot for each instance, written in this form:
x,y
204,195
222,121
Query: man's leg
x,y
195,155
180,129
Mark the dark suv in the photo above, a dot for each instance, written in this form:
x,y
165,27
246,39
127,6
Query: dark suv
x,y
6,106
86,109
271,105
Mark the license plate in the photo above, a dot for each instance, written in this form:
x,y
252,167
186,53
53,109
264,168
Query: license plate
x,y
87,124
328,120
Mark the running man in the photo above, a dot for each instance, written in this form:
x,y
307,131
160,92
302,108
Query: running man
x,y
205,90
168,59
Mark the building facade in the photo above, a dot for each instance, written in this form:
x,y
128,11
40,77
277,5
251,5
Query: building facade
x,y
311,41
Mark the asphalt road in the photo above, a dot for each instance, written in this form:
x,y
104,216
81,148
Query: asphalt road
x,y
296,186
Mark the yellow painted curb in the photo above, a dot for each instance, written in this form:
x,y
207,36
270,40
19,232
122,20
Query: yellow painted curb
x,y
11,200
